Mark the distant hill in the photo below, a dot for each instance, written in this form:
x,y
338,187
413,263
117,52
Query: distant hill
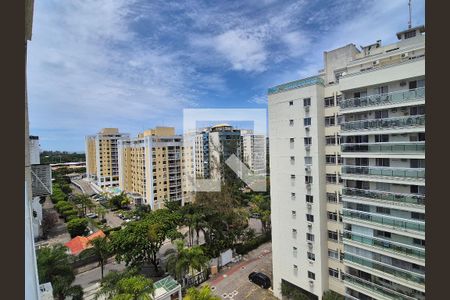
x,y
53,157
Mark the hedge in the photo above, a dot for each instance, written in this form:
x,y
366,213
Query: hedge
x,y
252,244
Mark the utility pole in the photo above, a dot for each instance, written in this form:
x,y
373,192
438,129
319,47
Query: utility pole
x,y
409,22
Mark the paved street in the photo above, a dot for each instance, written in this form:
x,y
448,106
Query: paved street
x,y
88,278
233,282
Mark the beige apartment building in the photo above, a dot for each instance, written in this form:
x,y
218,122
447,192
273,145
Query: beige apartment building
x,y
348,175
102,164
152,167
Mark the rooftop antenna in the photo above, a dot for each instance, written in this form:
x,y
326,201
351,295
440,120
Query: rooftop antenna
x,y
409,22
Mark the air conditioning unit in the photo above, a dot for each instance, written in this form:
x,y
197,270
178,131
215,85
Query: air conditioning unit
x,y
307,147
309,225
306,108
310,244
377,62
308,186
402,83
311,282
309,205
404,55
307,127
308,168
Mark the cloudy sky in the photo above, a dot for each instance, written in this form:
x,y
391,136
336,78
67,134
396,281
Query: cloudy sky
x,y
136,64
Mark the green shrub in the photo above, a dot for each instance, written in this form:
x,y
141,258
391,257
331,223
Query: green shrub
x,y
252,244
77,226
61,205
109,230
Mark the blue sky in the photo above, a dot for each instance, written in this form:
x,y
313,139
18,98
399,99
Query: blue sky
x,y
136,64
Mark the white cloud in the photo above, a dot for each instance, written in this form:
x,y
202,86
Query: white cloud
x,y
297,42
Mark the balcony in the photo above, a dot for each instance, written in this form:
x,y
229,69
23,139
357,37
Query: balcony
x,y
407,173
399,223
388,196
396,147
375,288
398,97
394,271
386,245
384,124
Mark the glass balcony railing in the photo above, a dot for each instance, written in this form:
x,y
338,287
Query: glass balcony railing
x,y
385,244
387,292
416,173
383,99
385,220
404,274
388,196
383,124
408,147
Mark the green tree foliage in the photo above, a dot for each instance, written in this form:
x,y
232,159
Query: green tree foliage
x,y
186,259
58,195
332,295
54,265
119,201
204,293
292,292
140,241
125,285
53,157
102,251
77,226
261,205
84,203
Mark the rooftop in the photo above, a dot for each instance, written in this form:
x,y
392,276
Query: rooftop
x,y
167,285
80,243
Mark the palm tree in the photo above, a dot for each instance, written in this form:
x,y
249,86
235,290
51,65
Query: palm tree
x,y
204,293
125,285
186,260
102,250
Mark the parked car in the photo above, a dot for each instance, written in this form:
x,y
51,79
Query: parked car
x,y
260,279
255,216
92,215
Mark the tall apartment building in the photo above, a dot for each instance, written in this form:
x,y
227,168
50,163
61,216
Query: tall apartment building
x,y
151,167
347,174
102,164
254,151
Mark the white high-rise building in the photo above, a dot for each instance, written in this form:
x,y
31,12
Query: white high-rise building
x,y
348,176
254,151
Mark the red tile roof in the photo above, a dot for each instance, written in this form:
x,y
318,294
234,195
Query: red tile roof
x,y
80,243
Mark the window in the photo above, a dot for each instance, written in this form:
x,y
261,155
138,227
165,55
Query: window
x,y
332,216
330,121
311,256
294,213
382,162
383,210
416,189
416,84
331,197
333,272
340,119
339,160
359,94
291,140
382,89
382,186
295,269
308,179
331,178
311,275
333,254
329,101
294,232
310,237
381,138
309,218
332,235
291,122
307,121
308,160
419,242
330,140
379,114
291,103
330,159
307,102
292,160
410,34
418,216
293,196
417,163
381,233
309,198
292,176
417,110
307,140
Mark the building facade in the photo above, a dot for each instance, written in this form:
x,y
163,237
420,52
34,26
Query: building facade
x,y
254,151
347,174
151,167
102,164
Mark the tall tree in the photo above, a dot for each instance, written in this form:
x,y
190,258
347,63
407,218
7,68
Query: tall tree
x,y
186,259
84,202
261,204
126,285
204,293
102,251
139,242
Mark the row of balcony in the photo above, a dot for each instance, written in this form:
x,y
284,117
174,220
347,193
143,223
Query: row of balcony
x,y
397,272
382,195
397,147
383,99
385,244
415,173
383,124
386,292
400,223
